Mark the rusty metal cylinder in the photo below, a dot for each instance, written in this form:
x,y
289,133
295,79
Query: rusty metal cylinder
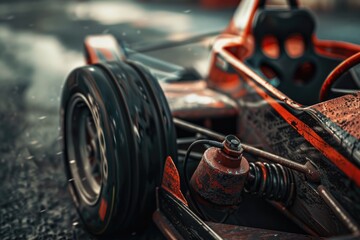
x,y
221,174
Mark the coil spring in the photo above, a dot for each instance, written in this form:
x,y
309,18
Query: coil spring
x,y
272,181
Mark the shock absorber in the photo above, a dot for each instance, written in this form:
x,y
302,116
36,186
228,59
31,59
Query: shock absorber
x,y
271,181
220,176
224,173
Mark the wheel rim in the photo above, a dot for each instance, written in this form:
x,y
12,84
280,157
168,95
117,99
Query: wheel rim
x,y
85,161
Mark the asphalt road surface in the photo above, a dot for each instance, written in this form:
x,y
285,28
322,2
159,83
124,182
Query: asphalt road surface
x,y
40,43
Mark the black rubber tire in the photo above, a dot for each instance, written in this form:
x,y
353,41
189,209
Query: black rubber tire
x,y
136,132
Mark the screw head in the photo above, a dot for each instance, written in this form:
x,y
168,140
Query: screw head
x,y
233,142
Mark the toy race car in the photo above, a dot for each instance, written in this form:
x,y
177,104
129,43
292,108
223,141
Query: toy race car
x,y
146,138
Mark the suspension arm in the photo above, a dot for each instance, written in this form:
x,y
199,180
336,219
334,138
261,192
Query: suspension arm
x,y
308,168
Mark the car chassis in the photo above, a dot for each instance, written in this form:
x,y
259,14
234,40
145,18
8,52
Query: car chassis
x,y
132,134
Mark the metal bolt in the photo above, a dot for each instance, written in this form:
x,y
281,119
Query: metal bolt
x,y
233,142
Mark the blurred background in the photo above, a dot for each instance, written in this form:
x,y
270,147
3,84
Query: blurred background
x,y
41,42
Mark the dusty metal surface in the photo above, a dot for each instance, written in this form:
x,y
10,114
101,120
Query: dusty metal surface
x,y
340,121
194,100
220,177
171,180
186,222
308,169
41,43
246,233
344,112
167,229
338,210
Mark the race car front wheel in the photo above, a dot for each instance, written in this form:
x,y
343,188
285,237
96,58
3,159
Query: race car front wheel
x,y
116,131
